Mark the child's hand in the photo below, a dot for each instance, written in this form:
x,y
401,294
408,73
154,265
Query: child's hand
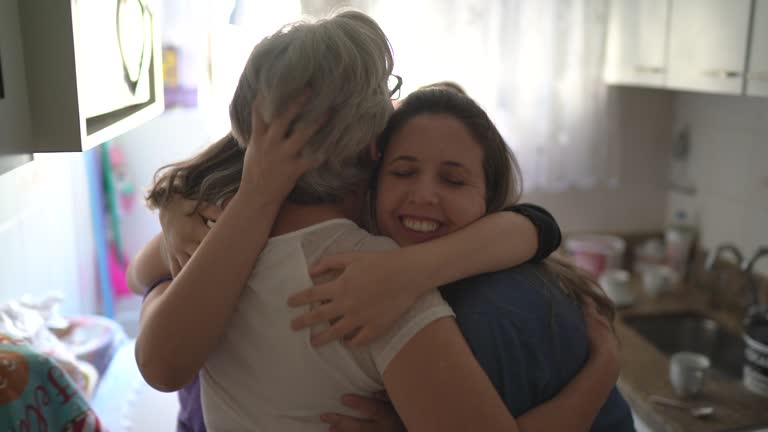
x,y
184,229
603,343
272,163
373,290
378,415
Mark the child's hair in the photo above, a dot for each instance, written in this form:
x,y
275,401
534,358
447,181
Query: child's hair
x,y
208,177
503,178
345,62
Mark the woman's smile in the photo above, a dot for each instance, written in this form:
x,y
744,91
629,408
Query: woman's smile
x,y
431,181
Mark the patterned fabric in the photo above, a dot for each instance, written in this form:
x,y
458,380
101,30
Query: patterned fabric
x,y
37,396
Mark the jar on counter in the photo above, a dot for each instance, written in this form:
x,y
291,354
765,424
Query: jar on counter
x,y
755,375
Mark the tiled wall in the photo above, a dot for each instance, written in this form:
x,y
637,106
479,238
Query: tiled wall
x,y
729,167
643,134
46,239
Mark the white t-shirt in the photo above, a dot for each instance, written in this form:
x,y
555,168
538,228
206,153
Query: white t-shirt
x,y
263,376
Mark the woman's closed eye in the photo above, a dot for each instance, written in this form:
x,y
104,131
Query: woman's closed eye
x,y
402,172
454,180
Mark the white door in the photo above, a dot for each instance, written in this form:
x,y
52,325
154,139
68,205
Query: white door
x,y
757,73
708,45
636,50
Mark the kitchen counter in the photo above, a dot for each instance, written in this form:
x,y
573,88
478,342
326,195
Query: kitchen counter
x,y
644,371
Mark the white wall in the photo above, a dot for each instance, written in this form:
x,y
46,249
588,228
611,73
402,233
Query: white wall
x,y
729,167
46,237
637,204
46,240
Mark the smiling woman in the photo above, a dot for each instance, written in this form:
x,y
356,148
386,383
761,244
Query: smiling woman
x,y
427,191
440,148
444,165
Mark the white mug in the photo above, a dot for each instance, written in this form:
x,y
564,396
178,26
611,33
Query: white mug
x,y
687,372
615,283
658,278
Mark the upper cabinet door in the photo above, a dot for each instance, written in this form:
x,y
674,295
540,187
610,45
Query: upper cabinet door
x,y
757,72
708,45
14,109
637,42
93,70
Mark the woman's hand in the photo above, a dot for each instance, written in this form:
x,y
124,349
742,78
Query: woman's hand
x,y
183,229
373,290
603,343
377,414
272,163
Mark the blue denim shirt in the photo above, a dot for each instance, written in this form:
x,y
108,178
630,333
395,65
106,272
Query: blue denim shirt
x,y
529,337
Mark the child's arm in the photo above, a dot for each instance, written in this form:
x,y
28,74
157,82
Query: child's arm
x,y
148,266
375,289
181,322
184,228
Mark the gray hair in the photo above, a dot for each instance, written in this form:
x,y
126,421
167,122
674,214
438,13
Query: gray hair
x,y
345,61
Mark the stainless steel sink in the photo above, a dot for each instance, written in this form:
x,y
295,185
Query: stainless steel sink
x,y
671,333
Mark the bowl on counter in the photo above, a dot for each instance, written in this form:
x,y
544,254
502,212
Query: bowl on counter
x,y
595,253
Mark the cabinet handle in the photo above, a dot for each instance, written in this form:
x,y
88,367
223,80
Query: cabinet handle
x,y
722,73
649,69
758,76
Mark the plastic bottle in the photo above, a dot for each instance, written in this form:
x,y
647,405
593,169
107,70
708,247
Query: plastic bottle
x,y
679,238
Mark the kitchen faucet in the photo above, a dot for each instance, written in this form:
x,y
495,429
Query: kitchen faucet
x,y
725,247
749,268
710,263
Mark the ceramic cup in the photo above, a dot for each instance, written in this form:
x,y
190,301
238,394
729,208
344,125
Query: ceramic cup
x,y
615,283
687,372
658,278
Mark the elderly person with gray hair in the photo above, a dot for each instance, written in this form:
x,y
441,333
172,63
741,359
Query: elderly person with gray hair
x,y
225,314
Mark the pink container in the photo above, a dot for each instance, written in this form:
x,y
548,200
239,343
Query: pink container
x,y
595,253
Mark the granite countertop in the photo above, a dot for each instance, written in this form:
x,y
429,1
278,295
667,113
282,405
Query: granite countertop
x,y
644,371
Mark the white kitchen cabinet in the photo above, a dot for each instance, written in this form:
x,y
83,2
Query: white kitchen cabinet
x,y
636,50
14,109
708,42
93,70
757,71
